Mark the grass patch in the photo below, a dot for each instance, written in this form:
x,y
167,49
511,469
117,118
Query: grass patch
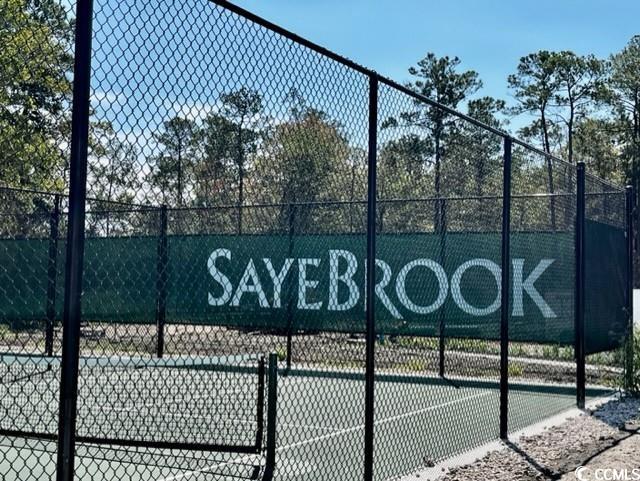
x,y
515,369
429,343
557,352
415,365
632,383
281,352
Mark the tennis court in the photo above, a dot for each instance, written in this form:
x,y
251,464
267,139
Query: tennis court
x,y
234,254
194,407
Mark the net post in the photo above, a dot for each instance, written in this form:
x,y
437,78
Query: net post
x,y
442,339
72,312
580,286
629,361
52,270
504,289
291,221
161,282
370,281
272,414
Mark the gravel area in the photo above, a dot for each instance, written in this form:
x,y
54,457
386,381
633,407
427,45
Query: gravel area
x,y
414,355
606,435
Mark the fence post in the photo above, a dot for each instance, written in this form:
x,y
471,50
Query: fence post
x,y
161,282
260,400
580,286
272,415
75,241
442,315
629,211
370,281
52,271
291,221
504,290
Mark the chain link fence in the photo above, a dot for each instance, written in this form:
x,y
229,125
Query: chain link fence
x,y
279,264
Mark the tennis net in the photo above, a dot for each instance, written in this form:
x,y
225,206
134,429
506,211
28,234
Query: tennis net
x,y
204,403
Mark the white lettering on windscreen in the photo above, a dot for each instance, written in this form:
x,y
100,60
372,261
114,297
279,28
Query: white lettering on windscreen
x,y
343,266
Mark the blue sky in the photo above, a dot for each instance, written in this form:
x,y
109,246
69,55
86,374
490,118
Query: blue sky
x,y
157,59
489,36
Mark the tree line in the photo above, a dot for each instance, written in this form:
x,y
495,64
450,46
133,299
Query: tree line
x,y
245,152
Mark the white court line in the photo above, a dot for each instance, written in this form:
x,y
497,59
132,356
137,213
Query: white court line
x,y
208,469
327,436
382,421
309,426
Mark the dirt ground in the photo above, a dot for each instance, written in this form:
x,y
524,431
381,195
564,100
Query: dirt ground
x,y
607,437
625,455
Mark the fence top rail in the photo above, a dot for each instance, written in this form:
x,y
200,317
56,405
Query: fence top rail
x,y
321,203
605,182
135,208
382,79
347,62
24,190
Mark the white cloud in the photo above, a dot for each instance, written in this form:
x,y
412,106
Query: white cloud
x,y
104,99
191,110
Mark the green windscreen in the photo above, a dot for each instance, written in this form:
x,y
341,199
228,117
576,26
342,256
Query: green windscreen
x,y
316,283
605,287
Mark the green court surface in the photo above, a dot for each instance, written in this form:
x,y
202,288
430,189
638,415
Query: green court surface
x,y
320,421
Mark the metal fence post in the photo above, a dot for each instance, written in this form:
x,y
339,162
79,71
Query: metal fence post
x,y
52,275
291,222
370,282
504,290
629,212
580,286
272,415
442,314
161,282
75,241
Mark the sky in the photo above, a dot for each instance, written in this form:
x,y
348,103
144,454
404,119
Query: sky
x,y
489,36
142,75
